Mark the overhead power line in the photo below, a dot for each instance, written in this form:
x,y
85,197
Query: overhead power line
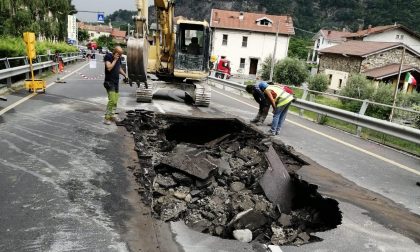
x,y
304,30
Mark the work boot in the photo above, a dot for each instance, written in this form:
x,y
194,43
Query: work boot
x,y
255,120
116,119
271,133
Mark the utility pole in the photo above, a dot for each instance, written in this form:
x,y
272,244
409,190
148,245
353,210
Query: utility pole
x,y
273,59
396,86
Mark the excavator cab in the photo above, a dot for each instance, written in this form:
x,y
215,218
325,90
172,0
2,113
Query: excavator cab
x,y
192,49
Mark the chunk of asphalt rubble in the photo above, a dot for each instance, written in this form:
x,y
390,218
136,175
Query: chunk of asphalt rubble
x,y
219,230
195,193
181,178
188,198
249,219
172,211
190,160
237,186
200,226
165,182
243,235
285,220
224,167
304,236
242,201
278,237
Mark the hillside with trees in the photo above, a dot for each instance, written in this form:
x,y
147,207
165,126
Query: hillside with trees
x,y
315,14
45,17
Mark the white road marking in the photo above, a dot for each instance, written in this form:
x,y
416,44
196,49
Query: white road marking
x,y
401,166
17,103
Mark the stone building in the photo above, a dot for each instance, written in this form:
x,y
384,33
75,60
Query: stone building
x,y
379,61
386,33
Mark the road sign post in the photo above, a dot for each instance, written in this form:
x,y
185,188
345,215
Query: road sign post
x,y
101,17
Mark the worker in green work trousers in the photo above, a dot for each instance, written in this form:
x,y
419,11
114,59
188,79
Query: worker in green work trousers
x,y
112,76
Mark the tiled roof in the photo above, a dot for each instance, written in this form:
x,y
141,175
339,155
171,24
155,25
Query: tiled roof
x,y
95,28
388,70
118,33
380,29
338,36
372,30
233,20
360,48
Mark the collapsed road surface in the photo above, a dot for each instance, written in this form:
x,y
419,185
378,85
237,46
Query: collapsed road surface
x,y
224,178
65,185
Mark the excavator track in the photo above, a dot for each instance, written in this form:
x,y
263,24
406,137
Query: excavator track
x,y
202,95
144,94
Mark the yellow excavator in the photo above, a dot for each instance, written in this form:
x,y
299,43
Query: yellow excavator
x,y
174,55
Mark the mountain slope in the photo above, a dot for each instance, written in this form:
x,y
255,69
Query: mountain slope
x,y
315,14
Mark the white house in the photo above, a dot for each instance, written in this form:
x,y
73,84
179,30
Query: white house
x,y
247,39
324,39
388,33
95,31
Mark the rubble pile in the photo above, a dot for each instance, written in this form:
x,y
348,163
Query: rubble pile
x,y
208,173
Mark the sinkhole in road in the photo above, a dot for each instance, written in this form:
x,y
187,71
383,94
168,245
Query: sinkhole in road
x,y
224,178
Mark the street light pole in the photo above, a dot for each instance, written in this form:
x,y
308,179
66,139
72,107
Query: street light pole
x,y
273,59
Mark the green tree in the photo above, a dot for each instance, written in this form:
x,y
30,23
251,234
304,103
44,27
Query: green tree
x,y
383,94
121,16
266,68
105,41
46,17
318,82
83,35
357,87
290,72
298,47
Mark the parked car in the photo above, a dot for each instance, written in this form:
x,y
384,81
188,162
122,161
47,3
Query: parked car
x,y
104,50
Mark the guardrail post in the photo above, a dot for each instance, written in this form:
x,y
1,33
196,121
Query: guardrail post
x,y
362,112
39,61
26,63
9,80
319,116
304,97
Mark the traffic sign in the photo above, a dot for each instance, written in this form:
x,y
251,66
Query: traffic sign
x,y
101,17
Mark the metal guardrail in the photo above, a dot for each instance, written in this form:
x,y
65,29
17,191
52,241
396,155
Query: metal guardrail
x,y
390,128
10,72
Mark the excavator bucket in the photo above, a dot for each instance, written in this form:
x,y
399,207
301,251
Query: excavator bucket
x,y
137,54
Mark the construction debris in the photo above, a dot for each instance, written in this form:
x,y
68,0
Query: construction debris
x,y
243,235
222,178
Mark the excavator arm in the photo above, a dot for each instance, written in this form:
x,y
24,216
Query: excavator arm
x,y
138,46
158,57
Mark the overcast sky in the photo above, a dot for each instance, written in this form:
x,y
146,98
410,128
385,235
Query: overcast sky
x,y
107,6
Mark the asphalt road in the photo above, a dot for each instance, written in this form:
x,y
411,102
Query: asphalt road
x,y
65,187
